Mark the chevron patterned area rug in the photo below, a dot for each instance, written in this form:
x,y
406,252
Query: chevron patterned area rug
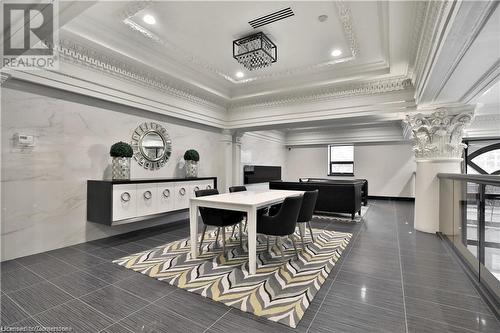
x,y
281,290
344,218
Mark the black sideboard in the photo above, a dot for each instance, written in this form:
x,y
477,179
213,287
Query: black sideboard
x,y
115,202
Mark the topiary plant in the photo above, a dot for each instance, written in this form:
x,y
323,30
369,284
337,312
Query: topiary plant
x,y
191,155
121,149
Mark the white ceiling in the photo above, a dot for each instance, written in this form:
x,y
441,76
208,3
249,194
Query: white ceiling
x,y
192,41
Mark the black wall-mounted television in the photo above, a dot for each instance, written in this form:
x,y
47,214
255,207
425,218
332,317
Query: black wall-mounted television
x,y
254,174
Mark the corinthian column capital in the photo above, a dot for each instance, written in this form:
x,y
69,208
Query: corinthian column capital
x,y
438,135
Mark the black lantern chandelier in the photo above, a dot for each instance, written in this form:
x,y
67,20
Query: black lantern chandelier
x,y
255,51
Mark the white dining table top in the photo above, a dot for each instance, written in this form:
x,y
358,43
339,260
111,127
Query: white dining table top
x,y
248,198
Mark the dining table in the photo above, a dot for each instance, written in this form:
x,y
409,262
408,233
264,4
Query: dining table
x,y
245,201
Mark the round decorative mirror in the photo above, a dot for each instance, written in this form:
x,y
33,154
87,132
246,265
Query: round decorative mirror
x,y
152,146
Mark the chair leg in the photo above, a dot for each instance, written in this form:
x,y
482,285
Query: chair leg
x,y
202,237
241,234
267,245
223,240
301,238
217,237
294,245
279,243
232,232
311,231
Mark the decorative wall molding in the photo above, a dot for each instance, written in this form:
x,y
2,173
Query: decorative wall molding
x,y
338,91
365,134
436,12
89,57
345,19
417,35
454,33
438,135
189,59
484,125
271,136
3,77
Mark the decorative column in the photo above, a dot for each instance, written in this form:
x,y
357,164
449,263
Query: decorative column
x,y
438,148
237,167
227,147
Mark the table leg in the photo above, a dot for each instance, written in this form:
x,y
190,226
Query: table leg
x,y
193,228
252,240
302,229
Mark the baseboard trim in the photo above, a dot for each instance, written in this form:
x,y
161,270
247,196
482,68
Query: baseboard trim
x,y
376,197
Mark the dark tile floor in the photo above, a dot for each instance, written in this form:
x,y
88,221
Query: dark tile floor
x,y
390,279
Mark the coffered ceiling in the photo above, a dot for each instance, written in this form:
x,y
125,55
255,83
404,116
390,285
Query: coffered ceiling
x,y
192,41
395,57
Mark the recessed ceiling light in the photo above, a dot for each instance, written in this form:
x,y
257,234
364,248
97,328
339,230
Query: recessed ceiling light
x,y
239,74
336,53
149,19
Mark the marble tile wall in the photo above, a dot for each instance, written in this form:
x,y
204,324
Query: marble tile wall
x,y
44,188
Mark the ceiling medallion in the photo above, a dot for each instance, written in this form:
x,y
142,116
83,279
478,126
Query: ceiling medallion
x,y
255,51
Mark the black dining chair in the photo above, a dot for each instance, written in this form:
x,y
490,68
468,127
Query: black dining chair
x,y
306,212
219,218
282,224
261,211
237,189
233,189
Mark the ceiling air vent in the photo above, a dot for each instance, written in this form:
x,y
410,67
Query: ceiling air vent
x,y
270,18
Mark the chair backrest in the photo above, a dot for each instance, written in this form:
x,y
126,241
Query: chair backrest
x,y
209,216
308,204
203,193
237,189
286,218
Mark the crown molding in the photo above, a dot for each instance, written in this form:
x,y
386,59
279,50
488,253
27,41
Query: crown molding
x,y
447,41
484,125
326,93
488,79
83,55
4,77
189,59
365,134
421,8
270,136
435,14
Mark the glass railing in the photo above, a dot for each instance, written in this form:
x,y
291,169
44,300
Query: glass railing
x,y
469,218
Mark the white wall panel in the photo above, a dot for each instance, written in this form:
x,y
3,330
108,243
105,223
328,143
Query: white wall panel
x,y
44,201
389,168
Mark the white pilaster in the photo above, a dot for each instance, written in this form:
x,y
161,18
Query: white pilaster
x,y
237,166
227,146
438,148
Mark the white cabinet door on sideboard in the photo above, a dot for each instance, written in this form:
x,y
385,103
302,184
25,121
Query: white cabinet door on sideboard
x,y
124,201
166,197
147,199
181,195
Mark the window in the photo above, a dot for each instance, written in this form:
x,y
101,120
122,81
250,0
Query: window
x,y
483,157
341,160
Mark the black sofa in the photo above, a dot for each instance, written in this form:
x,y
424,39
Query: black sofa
x,y
333,197
364,188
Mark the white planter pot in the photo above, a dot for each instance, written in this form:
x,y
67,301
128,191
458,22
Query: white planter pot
x,y
191,169
121,168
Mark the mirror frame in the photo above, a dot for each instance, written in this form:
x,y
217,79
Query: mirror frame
x,y
140,132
